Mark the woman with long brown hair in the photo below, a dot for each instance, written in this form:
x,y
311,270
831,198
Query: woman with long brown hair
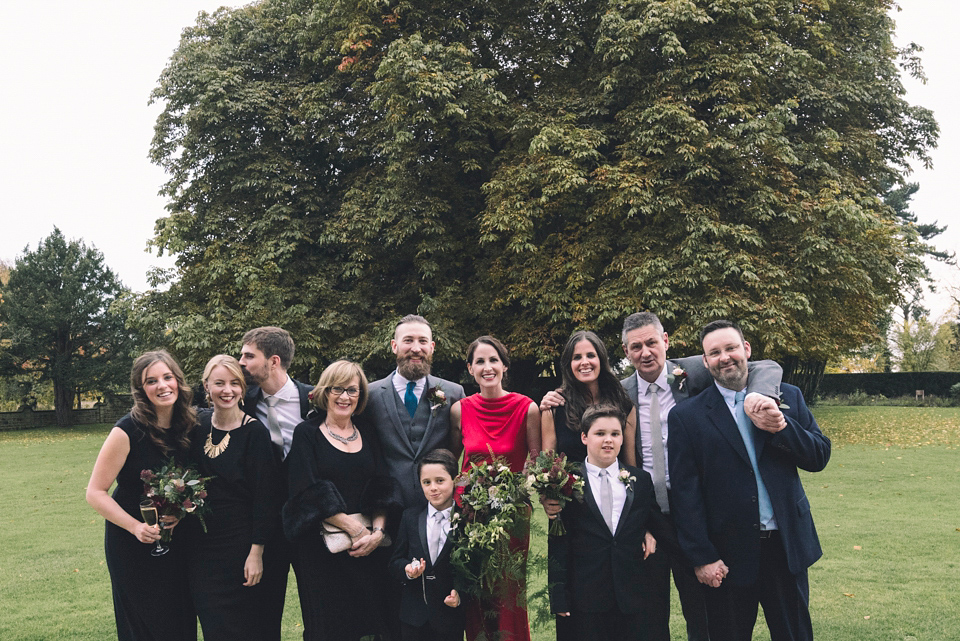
x,y
149,596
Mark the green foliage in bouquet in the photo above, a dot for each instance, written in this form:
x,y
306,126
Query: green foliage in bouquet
x,y
176,491
494,507
552,476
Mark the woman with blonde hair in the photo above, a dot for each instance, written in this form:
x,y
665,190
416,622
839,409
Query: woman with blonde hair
x,y
149,599
338,478
226,562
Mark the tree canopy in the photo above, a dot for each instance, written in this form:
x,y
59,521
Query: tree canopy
x,y
529,168
56,322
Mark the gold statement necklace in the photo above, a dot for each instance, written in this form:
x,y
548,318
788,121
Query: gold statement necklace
x,y
211,450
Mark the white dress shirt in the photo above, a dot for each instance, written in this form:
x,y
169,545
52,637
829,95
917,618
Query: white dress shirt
x,y
643,421
288,412
400,384
432,526
618,489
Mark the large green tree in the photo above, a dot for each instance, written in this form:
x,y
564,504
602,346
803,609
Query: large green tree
x,y
528,168
56,322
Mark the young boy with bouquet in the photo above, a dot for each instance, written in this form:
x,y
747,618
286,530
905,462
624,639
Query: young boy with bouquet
x,y
430,606
593,567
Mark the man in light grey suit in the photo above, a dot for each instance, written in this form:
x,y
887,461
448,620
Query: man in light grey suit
x,y
656,388
411,408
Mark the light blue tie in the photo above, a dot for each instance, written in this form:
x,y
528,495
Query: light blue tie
x,y
746,433
410,399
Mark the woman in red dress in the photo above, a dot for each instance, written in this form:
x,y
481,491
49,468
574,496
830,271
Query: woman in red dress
x,y
509,424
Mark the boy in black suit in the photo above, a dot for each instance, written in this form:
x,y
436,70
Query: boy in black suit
x,y
594,567
430,606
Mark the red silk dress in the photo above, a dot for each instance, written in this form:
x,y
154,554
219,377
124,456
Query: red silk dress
x,y
500,423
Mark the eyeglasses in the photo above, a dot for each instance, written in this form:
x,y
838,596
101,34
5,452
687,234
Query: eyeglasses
x,y
352,392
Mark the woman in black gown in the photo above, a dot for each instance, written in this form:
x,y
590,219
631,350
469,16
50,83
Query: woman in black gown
x,y
149,599
587,380
226,562
335,474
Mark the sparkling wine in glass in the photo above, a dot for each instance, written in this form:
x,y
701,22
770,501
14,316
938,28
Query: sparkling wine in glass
x,y
149,513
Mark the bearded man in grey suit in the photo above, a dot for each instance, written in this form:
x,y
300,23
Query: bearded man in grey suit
x,y
411,408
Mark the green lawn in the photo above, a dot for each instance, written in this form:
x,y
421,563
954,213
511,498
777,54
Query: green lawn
x,y
886,507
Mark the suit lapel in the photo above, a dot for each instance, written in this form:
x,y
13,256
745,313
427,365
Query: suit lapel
x,y
387,393
422,530
719,415
591,501
628,502
678,394
429,384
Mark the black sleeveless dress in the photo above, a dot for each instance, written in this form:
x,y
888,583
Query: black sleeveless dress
x,y
149,596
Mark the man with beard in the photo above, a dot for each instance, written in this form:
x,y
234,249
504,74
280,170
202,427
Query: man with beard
x,y
742,517
280,403
411,409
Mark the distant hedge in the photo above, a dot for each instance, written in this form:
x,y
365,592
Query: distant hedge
x,y
889,384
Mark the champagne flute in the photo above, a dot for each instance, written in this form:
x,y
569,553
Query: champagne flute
x,y
149,513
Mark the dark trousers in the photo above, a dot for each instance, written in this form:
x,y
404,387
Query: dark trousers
x,y
426,633
785,598
610,626
656,587
277,558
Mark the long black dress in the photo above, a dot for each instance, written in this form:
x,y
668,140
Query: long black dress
x,y
244,501
342,598
149,601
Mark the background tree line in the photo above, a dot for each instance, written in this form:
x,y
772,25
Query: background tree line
x,y
530,168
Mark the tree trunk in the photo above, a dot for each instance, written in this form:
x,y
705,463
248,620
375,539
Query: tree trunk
x,y
804,374
62,402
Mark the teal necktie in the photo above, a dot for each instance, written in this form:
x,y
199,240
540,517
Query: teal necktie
x,y
746,433
410,399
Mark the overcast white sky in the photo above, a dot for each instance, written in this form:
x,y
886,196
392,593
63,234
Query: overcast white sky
x,y
75,126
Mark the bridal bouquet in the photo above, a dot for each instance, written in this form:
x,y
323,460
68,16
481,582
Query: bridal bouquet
x,y
493,507
176,491
553,477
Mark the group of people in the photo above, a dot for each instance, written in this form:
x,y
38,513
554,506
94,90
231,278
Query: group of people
x,y
352,484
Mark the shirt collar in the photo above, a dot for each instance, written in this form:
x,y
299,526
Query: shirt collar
x,y
661,381
729,395
432,510
593,470
401,376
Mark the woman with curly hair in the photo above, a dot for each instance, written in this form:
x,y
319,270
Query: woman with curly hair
x,y
150,598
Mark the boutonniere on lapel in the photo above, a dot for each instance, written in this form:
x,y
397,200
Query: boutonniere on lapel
x,y
626,478
678,374
437,398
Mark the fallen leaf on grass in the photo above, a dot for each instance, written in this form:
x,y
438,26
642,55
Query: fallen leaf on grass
x,y
849,594
866,616
857,547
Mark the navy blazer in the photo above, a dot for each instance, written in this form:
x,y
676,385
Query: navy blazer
x,y
592,570
714,490
421,600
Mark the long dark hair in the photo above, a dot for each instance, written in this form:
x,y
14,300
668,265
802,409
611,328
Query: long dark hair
x,y
576,393
184,417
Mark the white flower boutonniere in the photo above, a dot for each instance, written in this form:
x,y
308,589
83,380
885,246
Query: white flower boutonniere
x,y
626,478
678,373
437,398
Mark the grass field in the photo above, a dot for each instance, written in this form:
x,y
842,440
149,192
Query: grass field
x,y
887,509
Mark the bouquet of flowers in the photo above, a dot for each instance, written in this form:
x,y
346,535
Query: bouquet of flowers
x,y
176,491
553,477
493,506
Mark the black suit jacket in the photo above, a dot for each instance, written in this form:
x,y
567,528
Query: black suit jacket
x,y
714,491
592,570
422,598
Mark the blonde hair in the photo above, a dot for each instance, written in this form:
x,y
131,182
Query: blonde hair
x,y
231,364
339,374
